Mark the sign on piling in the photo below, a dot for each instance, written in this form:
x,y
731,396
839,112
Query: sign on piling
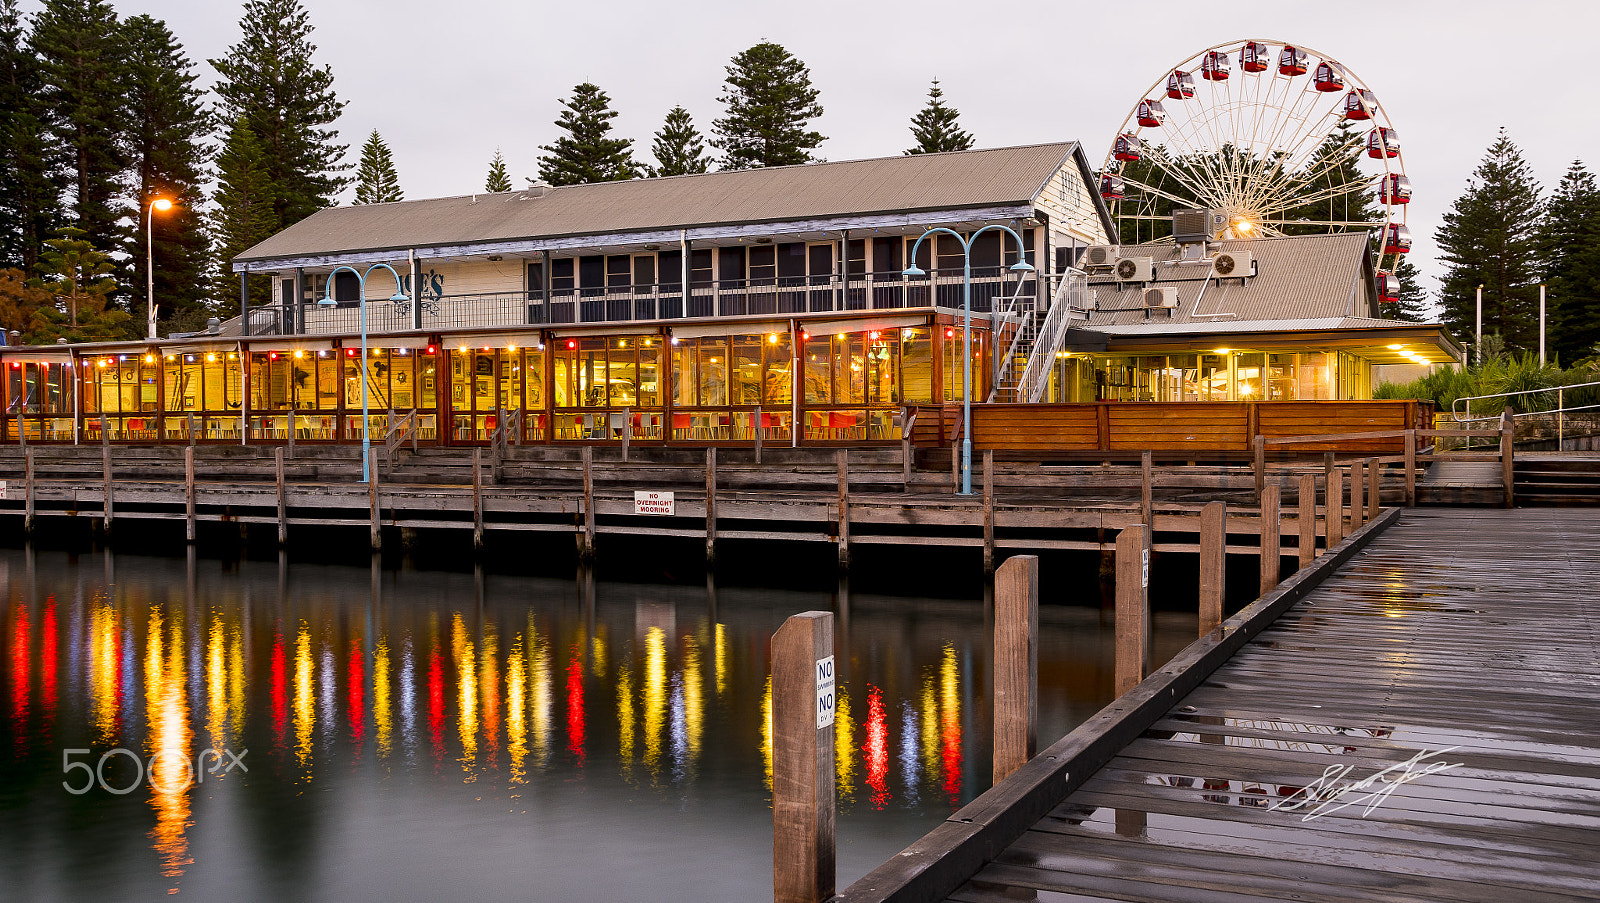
x,y
803,701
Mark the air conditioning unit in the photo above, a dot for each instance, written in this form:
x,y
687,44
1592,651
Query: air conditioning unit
x,y
1136,269
1231,264
1190,226
1100,257
1161,297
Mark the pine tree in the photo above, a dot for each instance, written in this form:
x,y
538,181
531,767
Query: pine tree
x,y
499,180
77,275
1490,237
83,79
584,154
167,128
679,147
244,214
1570,241
29,191
935,126
271,86
376,180
769,102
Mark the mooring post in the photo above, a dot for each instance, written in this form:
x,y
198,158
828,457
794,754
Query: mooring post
x,y
1133,607
1333,513
1357,506
27,478
477,499
1213,564
803,783
627,432
755,427
1260,465
1016,663
1306,515
372,500
1508,453
955,467
586,554
1374,488
1271,537
1411,468
292,430
188,491
105,462
988,511
283,497
1147,492
711,506
191,429
842,459
1328,467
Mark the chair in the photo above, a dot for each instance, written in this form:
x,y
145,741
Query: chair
x,y
680,426
841,423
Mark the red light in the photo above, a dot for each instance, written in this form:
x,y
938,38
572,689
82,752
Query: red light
x,y
272,356
431,349
350,351
572,343
949,333
874,336
804,336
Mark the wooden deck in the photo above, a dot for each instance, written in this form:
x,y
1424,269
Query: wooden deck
x,y
1475,632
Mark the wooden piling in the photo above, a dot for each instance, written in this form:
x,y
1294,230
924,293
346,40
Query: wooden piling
x,y
283,497
1508,453
1333,513
627,432
1133,607
755,427
842,459
586,553
1016,663
988,511
1147,493
188,493
1260,443
105,463
1328,469
373,511
477,499
1358,508
905,462
711,506
1213,564
1306,515
955,467
803,784
1271,538
1411,468
28,480
1374,488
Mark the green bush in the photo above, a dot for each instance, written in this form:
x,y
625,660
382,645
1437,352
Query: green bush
x,y
1496,375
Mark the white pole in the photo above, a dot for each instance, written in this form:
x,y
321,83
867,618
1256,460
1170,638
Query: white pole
x,y
150,268
1541,324
1480,323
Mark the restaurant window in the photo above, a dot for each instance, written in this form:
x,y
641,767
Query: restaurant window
x,y
952,364
916,365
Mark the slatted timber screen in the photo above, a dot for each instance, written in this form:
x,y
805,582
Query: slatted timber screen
x,y
1029,427
1310,418
1187,426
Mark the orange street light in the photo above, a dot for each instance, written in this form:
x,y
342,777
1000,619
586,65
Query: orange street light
x,y
163,205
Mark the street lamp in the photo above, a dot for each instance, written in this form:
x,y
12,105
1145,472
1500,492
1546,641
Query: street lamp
x,y
327,301
163,205
1021,266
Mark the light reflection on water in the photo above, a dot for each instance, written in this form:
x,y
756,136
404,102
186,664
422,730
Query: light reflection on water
x,y
419,734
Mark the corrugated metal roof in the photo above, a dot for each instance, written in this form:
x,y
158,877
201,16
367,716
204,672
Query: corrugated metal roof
x,y
1298,277
977,178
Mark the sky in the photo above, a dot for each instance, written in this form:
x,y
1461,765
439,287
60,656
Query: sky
x,y
446,84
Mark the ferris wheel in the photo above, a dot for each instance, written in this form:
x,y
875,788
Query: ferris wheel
x,y
1279,138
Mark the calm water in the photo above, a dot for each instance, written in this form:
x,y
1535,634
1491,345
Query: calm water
x,y
432,735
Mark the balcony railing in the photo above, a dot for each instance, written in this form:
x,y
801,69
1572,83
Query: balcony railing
x,y
668,300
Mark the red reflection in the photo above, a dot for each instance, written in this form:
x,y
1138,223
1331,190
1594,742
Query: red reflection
x,y
47,664
280,692
436,705
950,755
575,706
19,675
877,748
358,705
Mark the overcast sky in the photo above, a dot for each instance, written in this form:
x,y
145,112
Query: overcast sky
x,y
446,83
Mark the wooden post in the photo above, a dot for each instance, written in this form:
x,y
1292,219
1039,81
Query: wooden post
x,y
191,429
587,552
1147,493
1271,538
1328,468
27,477
905,463
1357,507
1261,465
803,784
711,506
1333,513
627,431
1374,488
1213,564
283,497
756,428
1306,514
1133,607
372,501
988,511
188,490
105,462
1508,453
1016,663
955,467
1411,468
842,458
477,498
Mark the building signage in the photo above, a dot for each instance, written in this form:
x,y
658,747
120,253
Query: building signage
x,y
653,503
824,692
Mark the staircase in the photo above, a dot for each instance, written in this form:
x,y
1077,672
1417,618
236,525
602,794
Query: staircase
x,y
1024,367
1550,479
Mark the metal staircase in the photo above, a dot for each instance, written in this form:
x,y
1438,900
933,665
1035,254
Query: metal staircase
x,y
1023,371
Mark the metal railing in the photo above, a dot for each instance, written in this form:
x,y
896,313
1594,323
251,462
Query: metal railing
x,y
1071,294
1560,410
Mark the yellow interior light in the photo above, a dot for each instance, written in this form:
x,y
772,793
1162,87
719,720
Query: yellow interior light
x,y
299,354
1396,347
772,338
211,358
511,348
149,358
1222,351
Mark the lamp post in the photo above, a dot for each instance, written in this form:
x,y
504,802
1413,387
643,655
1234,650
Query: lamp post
x,y
1021,266
361,295
163,205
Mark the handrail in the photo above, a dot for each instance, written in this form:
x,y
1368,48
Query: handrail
x,y
399,431
1036,374
1008,361
1455,414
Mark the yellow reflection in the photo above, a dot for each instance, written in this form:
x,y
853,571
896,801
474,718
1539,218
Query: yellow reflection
x,y
766,732
844,746
625,717
539,671
516,723
167,712
655,695
930,726
597,652
693,706
381,698
722,660
216,684
105,676
235,634
489,680
304,701
466,693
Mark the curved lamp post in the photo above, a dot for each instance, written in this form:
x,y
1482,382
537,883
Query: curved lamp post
x,y
327,301
163,205
1021,266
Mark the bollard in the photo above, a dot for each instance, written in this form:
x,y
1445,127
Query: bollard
x,y
1016,663
586,552
283,499
188,492
1213,564
1306,518
1271,538
803,784
1133,607
711,506
988,511
1333,512
477,499
842,457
